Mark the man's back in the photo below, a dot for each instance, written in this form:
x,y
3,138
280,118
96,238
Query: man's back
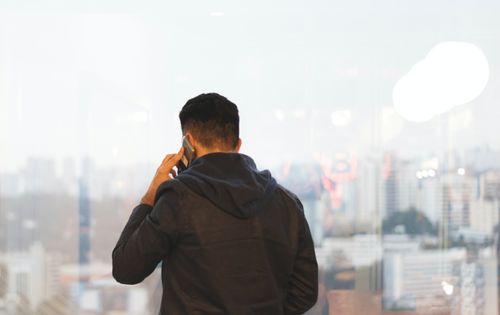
x,y
239,242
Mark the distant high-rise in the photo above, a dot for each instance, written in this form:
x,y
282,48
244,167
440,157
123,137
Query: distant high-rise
x,y
368,198
490,185
430,197
390,186
31,276
84,216
419,280
458,192
400,184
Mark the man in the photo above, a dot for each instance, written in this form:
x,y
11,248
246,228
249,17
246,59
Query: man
x,y
230,238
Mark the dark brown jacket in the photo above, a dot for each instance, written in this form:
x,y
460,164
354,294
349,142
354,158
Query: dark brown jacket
x,y
230,239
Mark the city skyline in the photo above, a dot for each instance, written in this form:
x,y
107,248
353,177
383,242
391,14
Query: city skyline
x,y
346,213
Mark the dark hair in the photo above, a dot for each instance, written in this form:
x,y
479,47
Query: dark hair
x,y
212,119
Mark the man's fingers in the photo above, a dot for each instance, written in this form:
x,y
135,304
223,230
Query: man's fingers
x,y
176,157
180,153
167,158
171,160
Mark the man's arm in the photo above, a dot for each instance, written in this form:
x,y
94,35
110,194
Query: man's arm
x,y
139,249
145,240
303,288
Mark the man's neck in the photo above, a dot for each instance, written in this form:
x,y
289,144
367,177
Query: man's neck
x,y
202,151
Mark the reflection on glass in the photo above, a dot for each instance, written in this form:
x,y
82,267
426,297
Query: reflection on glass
x,y
385,127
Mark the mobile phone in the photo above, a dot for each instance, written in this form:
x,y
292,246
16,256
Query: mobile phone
x,y
187,157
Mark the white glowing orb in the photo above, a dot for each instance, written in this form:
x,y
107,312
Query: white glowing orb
x,y
452,74
447,287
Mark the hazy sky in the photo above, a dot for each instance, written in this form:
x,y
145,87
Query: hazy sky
x,y
108,78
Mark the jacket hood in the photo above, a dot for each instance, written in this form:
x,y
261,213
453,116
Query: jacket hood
x,y
231,182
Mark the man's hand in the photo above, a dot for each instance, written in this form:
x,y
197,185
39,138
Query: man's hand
x,y
163,173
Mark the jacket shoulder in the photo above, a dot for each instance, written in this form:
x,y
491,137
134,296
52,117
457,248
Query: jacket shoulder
x,y
172,187
292,197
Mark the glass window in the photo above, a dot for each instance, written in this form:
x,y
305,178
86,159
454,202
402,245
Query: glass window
x,y
380,116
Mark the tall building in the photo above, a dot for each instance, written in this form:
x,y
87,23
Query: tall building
x,y
452,281
31,276
368,201
418,280
490,185
84,217
430,198
400,184
485,209
459,189
391,196
484,216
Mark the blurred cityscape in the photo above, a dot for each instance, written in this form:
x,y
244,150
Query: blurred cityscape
x,y
392,235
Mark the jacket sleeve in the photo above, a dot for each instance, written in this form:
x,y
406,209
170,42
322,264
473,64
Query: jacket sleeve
x,y
146,239
303,287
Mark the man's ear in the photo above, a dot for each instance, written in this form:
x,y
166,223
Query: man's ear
x,y
191,139
238,145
